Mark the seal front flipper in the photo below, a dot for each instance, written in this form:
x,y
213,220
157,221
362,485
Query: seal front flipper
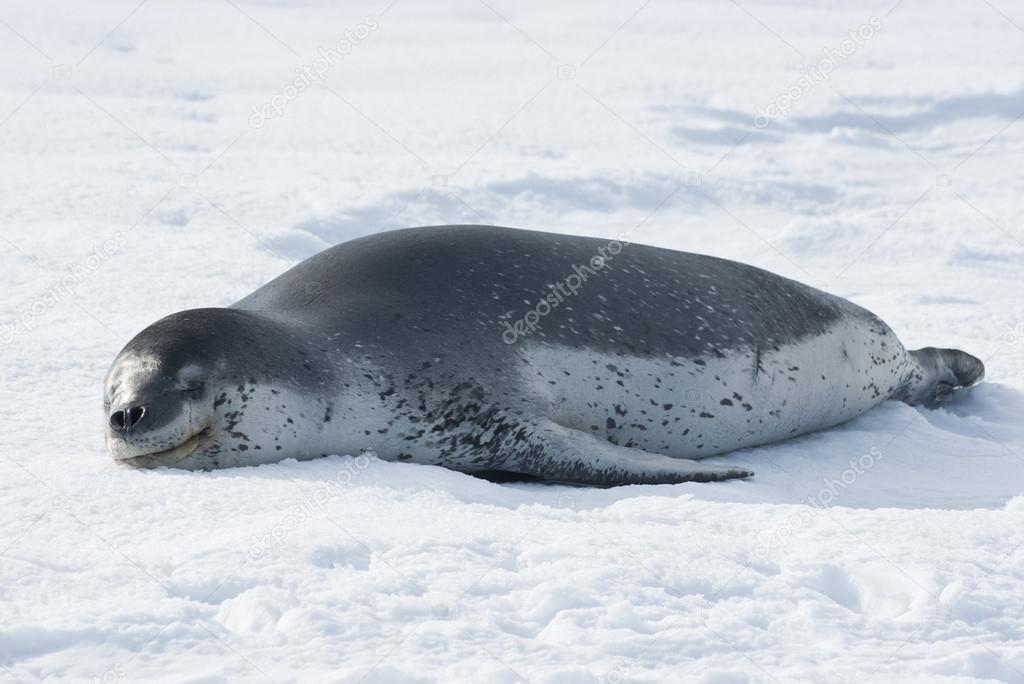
x,y
541,448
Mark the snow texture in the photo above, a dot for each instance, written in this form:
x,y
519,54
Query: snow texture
x,y
141,174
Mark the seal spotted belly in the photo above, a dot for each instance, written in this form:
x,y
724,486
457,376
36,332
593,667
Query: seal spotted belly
x,y
488,349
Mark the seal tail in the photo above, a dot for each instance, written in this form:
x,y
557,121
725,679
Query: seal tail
x,y
939,373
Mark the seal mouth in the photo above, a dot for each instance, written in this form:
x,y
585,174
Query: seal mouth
x,y
167,456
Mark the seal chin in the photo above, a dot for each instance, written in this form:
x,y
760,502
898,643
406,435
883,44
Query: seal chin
x,y
167,456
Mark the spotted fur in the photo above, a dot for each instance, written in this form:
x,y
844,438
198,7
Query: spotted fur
x,y
397,343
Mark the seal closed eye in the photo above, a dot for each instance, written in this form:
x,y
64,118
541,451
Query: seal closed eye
x,y
496,350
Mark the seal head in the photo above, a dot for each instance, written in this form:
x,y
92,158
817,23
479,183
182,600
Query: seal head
x,y
199,387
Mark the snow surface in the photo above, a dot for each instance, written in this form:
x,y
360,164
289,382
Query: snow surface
x,y
132,185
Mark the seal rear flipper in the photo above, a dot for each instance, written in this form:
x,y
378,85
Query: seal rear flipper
x,y
546,450
939,373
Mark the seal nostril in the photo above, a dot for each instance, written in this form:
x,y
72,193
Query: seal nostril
x,y
117,421
135,414
123,420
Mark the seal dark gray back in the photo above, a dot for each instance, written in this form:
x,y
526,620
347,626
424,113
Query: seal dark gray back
x,y
425,282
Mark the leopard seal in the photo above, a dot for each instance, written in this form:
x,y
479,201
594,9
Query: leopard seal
x,y
502,351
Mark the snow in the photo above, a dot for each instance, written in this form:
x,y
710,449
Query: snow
x,y
134,185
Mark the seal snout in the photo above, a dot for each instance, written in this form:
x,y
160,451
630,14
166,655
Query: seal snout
x,y
123,420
